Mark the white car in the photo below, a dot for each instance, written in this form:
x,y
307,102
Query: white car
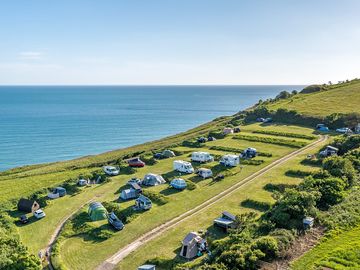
x,y
39,214
110,170
344,130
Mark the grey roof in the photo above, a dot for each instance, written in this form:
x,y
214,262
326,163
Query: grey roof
x,y
95,205
228,215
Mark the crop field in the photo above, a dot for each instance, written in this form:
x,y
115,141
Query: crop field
x,y
248,198
340,99
75,248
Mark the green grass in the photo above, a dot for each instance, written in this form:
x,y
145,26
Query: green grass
x,y
338,252
168,244
340,99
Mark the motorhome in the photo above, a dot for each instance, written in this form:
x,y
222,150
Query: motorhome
x,y
201,157
183,166
230,160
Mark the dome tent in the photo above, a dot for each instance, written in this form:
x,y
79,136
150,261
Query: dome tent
x,y
97,211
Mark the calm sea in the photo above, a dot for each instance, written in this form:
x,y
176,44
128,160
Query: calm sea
x,y
47,123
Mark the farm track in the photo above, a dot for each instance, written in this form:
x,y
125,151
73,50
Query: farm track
x,y
57,232
112,261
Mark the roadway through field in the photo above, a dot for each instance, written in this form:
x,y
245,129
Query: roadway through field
x,y
111,262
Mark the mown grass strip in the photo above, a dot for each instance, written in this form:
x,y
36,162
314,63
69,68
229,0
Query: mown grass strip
x,y
285,134
282,142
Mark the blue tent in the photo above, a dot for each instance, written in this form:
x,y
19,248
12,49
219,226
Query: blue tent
x,y
178,183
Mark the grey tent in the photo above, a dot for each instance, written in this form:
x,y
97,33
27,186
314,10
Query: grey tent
x,y
153,180
27,206
128,194
168,153
191,245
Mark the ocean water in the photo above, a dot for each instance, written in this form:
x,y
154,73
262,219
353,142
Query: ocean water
x,y
49,123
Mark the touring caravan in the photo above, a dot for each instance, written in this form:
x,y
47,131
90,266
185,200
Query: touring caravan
x,y
183,166
230,160
204,173
201,157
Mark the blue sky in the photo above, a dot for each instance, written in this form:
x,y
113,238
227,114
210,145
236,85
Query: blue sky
x,y
179,41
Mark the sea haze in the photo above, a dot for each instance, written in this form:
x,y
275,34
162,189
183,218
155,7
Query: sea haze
x,y
49,123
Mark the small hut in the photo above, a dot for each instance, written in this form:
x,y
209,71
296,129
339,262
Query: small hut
x,y
97,211
192,245
27,206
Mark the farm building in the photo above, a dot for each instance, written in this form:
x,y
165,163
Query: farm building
x,y
228,130
226,221
27,206
192,245
143,203
204,173
178,183
97,211
152,179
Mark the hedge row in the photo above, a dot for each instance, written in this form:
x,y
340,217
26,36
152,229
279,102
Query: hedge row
x,y
156,197
237,150
285,134
283,142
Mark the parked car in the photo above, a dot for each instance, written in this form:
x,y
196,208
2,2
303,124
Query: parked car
x,y
201,140
115,221
24,219
39,214
136,162
237,130
210,139
158,156
344,130
111,170
134,180
260,119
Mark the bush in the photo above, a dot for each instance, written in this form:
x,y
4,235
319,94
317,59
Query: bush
x,y
190,185
157,198
268,245
340,167
297,173
260,206
284,238
311,89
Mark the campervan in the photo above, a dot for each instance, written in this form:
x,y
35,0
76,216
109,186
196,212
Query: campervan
x,y
230,160
201,157
183,166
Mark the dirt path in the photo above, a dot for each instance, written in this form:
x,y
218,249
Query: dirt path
x,y
56,233
111,262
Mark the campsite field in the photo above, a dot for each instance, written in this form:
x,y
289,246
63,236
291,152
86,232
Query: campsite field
x,y
167,246
74,250
343,98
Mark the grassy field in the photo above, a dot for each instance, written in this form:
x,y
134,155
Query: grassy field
x,y
168,245
75,249
339,252
340,99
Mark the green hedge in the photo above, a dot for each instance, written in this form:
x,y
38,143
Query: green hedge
x,y
285,134
157,198
237,150
282,142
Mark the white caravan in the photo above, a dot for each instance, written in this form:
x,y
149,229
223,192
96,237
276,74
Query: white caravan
x,y
201,157
183,166
204,173
230,160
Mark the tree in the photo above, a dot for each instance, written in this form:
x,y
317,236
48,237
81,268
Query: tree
x,y
283,95
340,167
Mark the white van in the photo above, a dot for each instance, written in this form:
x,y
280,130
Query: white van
x,y
111,170
230,160
183,166
201,157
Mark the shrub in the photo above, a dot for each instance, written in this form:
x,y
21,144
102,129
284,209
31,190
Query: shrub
x,y
311,89
156,197
340,167
268,245
190,185
297,173
260,206
284,238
